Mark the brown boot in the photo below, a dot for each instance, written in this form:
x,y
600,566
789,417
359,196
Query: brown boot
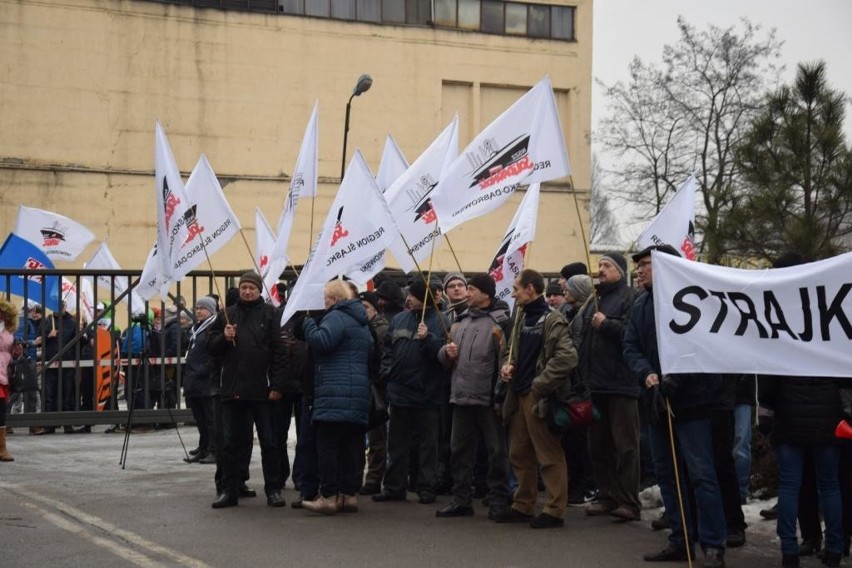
x,y
322,505
4,455
348,504
36,431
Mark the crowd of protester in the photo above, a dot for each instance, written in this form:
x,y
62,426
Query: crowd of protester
x,y
469,387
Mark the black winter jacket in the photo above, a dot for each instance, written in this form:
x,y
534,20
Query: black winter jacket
x,y
199,366
410,367
601,366
807,409
256,362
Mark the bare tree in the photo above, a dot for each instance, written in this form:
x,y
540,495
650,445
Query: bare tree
x,y
604,226
688,115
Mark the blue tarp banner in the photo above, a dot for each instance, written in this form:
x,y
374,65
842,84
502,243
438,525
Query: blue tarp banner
x,y
18,254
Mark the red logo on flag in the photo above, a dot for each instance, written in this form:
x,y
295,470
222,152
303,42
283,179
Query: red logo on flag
x,y
264,260
688,249
34,264
339,231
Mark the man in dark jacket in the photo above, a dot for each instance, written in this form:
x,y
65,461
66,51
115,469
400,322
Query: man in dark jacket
x,y
692,399
377,450
414,376
614,439
475,356
60,329
247,339
196,381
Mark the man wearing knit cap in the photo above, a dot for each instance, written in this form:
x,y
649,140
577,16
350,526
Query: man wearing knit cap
x,y
614,439
415,380
455,290
247,339
475,358
391,300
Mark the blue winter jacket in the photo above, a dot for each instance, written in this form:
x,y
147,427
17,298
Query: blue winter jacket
x,y
342,346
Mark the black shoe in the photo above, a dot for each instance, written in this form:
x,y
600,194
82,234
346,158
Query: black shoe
x,y
426,497
771,513
546,521
246,491
195,458
831,559
714,558
661,524
83,430
69,430
370,489
513,516
810,546
454,510
225,500
209,458
388,496
275,499
670,553
195,451
736,538
790,561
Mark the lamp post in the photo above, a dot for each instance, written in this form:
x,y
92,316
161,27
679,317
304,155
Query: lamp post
x,y
362,86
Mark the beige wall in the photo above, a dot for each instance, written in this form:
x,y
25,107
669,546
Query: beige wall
x,y
84,80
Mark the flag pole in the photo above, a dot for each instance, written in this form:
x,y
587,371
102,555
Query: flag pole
x,y
428,279
425,281
447,238
215,282
677,483
583,235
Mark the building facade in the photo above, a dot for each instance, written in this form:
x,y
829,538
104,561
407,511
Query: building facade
x,y
85,80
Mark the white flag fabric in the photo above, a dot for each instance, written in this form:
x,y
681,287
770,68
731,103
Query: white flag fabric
x,y
70,295
171,203
59,237
302,184
409,199
523,145
783,321
207,216
392,166
509,260
675,223
103,259
152,281
355,233
269,268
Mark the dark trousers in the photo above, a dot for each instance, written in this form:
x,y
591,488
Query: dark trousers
x,y
575,444
469,422
337,457
55,399
305,468
404,423
726,471
377,454
284,410
202,414
614,450
237,418
87,389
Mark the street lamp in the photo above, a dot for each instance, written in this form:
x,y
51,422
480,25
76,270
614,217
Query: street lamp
x,y
362,86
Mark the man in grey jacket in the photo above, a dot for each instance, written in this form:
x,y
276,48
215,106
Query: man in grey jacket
x,y
475,357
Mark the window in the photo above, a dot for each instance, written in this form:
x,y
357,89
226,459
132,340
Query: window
x,y
317,8
343,9
469,14
492,16
563,23
516,18
539,21
393,11
418,11
445,13
369,10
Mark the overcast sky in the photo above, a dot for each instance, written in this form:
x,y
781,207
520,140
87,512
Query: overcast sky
x,y
810,30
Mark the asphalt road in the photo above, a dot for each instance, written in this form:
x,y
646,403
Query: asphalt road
x,y
65,501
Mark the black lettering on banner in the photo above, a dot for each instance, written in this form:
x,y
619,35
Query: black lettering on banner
x,y
693,311
771,306
746,315
723,312
807,333
835,310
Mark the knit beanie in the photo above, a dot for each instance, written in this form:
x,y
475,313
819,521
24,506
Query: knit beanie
x,y
252,277
618,260
371,298
484,283
580,287
453,276
553,289
573,269
417,288
390,292
207,303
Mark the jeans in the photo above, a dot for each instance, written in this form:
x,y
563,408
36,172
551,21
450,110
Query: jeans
x,y
694,443
742,447
305,468
826,463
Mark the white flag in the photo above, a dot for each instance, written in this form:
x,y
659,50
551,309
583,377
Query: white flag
x,y
171,203
103,259
59,237
523,145
70,295
675,223
303,184
783,321
509,260
410,199
207,216
392,166
357,230
269,268
152,281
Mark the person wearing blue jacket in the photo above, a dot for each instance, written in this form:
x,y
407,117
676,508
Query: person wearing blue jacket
x,y
342,346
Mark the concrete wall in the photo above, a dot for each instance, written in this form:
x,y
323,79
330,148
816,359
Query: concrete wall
x,y
84,81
